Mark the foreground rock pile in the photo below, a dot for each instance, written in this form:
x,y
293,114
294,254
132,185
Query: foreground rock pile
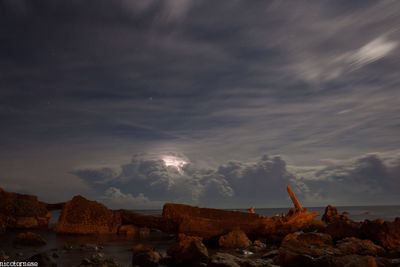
x,y
212,237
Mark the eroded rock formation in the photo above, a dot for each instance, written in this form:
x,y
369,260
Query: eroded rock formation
x,y
82,216
22,211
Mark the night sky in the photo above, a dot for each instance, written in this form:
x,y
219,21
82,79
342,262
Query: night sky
x,y
211,103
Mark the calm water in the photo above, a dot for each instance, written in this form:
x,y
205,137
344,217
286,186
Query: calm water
x,y
120,247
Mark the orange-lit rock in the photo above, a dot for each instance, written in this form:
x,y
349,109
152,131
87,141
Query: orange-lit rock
x,y
341,229
331,215
207,223
188,249
212,223
386,234
22,211
145,256
129,230
234,239
142,220
352,245
82,216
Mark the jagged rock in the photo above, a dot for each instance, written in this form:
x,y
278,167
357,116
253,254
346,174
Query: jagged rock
x,y
188,249
386,234
331,215
43,260
128,230
347,260
224,260
22,211
340,229
234,239
301,249
4,256
3,223
212,223
270,254
352,245
227,260
142,220
144,255
29,239
82,216
99,262
207,223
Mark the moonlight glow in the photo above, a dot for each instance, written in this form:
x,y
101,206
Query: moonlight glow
x,y
174,162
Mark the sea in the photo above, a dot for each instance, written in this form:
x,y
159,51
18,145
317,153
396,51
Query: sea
x,y
69,250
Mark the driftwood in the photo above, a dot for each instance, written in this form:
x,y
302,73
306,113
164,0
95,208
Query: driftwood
x,y
296,203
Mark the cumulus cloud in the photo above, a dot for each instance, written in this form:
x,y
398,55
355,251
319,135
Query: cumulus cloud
x,y
367,178
234,184
114,198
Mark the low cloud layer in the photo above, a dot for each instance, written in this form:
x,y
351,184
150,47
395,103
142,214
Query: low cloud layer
x,y
148,183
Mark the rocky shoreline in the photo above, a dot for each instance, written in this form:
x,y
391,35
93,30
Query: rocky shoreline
x,y
205,237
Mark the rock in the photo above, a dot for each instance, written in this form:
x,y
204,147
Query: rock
x,y
144,255
331,215
352,245
207,223
394,253
258,246
4,256
82,216
142,220
234,239
224,260
386,234
188,249
3,223
42,259
128,230
340,229
300,250
270,254
29,239
348,260
22,211
228,260
96,262
212,223
293,241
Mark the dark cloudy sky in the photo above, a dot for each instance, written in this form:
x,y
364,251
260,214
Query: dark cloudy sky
x,y
248,96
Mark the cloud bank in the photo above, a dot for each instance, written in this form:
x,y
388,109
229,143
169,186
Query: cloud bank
x,y
148,183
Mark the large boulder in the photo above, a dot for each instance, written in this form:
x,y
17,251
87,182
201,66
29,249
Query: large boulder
x,y
145,256
205,222
347,260
300,250
22,211
352,245
189,249
340,229
331,215
82,216
234,239
386,234
212,223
